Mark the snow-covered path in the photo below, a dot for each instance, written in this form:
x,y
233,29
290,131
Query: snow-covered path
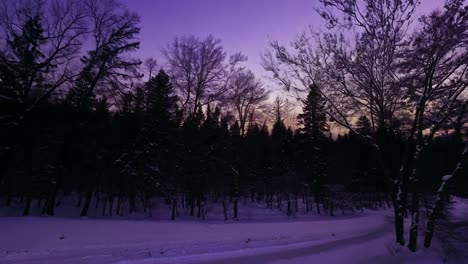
x,y
280,254
34,240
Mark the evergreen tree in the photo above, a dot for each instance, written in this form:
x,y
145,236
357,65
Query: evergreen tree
x,y
161,98
21,81
313,134
235,131
367,174
22,72
139,105
278,132
363,125
313,118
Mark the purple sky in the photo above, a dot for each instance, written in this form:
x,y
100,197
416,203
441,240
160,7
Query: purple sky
x,y
242,25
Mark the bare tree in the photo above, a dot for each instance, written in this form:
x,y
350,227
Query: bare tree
x,y
247,96
200,70
282,109
107,67
151,66
383,72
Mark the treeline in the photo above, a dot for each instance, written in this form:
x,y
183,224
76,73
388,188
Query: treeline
x,y
144,149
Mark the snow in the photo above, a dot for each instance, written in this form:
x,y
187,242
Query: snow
x,y
447,177
452,231
364,238
36,236
458,209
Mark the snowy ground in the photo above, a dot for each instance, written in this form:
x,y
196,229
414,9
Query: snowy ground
x,y
363,239
262,236
453,231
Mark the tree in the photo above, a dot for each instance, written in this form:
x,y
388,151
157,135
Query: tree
x,y
105,67
150,158
379,73
439,62
247,95
314,119
25,49
200,71
436,208
162,100
150,65
162,131
313,133
43,40
363,125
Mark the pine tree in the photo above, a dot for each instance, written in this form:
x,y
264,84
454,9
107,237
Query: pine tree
x,y
235,130
313,134
150,159
368,178
139,106
161,98
81,95
363,126
22,80
24,64
313,118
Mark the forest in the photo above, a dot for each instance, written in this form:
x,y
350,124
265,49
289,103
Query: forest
x,y
374,119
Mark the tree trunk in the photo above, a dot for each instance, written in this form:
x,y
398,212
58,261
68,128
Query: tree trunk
x,y
183,200
174,205
119,204
413,238
104,207
199,208
27,206
235,209
399,214
317,202
28,147
296,205
111,204
203,210
192,207
132,204
225,209
49,205
438,202
84,211
97,200
78,204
